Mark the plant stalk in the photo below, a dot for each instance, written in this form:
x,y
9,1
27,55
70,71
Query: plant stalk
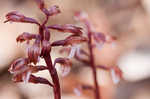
x,y
54,75
97,92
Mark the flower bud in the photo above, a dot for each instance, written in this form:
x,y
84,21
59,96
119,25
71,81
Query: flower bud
x,y
18,65
53,10
26,37
65,65
14,16
22,77
49,12
71,40
67,28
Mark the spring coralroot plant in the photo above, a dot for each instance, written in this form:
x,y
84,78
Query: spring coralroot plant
x,y
94,40
23,69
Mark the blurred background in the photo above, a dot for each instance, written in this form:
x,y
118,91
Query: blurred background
x,y
127,20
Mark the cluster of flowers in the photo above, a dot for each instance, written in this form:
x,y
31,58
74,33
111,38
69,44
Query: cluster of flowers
x,y
23,69
94,40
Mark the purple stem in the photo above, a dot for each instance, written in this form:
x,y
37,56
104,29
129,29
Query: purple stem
x,y
51,68
54,75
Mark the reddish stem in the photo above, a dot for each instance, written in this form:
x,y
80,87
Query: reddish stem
x,y
97,93
54,75
51,68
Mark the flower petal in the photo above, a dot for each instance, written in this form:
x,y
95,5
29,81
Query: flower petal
x,y
39,80
75,49
18,65
36,69
72,52
65,70
65,65
26,76
34,53
115,77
